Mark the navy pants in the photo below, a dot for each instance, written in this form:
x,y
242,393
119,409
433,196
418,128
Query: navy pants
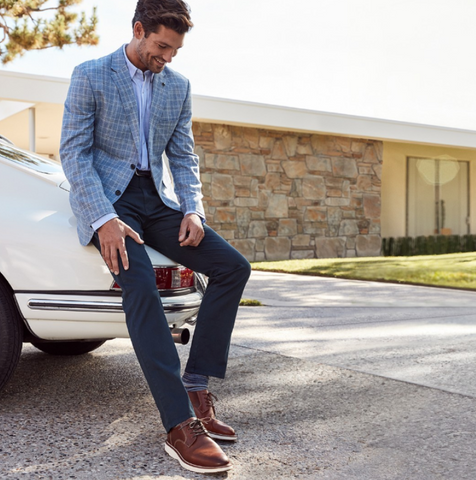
x,y
141,208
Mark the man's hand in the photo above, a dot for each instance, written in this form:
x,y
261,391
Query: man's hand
x,y
191,231
112,237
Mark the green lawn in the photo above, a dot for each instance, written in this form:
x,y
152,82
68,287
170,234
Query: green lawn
x,y
451,270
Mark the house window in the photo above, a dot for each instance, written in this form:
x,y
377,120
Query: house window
x,y
437,196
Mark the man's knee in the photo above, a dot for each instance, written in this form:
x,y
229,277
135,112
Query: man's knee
x,y
240,269
245,269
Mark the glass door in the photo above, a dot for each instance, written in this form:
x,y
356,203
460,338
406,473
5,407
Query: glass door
x,y
437,196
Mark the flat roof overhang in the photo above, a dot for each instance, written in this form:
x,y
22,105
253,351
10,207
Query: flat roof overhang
x,y
218,110
41,89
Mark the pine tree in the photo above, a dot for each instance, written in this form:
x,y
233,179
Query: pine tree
x,y
32,25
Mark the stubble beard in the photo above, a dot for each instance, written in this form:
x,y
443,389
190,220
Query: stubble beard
x,y
148,64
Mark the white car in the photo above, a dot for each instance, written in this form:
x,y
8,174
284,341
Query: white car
x,y
55,293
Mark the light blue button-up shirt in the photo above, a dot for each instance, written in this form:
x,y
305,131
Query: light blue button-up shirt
x,y
143,83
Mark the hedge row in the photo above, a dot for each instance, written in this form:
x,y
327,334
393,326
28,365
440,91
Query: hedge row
x,y
432,245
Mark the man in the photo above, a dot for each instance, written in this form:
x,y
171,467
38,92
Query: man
x,y
122,113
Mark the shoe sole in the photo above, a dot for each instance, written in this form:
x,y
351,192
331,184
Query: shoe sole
x,y
227,438
194,468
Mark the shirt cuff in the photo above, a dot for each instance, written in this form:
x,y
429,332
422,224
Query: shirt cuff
x,y
101,221
196,213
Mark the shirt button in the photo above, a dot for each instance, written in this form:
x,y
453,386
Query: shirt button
x,y
118,192
133,167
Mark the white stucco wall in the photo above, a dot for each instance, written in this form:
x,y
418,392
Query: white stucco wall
x,y
394,195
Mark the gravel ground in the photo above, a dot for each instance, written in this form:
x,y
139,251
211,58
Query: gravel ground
x,y
92,417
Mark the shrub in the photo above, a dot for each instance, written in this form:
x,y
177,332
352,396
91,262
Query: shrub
x,y
430,245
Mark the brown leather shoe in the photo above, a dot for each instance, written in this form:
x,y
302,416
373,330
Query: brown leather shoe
x,y
189,443
204,408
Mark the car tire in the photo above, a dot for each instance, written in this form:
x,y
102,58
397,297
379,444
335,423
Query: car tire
x,y
68,348
11,334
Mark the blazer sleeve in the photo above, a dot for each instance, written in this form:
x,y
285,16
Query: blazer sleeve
x,y
87,196
184,163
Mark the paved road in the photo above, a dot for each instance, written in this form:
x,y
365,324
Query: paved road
x,y
332,379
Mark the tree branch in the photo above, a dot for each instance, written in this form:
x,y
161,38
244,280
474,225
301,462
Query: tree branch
x,y
26,28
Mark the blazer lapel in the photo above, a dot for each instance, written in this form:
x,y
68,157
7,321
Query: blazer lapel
x,y
157,108
122,79
158,96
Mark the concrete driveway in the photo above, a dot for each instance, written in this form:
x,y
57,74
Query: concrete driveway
x,y
331,379
421,335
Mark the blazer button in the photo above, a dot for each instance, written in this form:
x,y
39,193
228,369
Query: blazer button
x,y
118,192
133,167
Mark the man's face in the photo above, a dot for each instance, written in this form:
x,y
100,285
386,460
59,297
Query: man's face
x,y
158,49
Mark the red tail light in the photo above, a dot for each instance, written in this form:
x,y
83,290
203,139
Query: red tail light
x,y
170,278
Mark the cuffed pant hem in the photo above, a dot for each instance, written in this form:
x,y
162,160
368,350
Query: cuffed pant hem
x,y
208,373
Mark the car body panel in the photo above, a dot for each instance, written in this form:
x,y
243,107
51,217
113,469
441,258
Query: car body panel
x,y
59,258
62,289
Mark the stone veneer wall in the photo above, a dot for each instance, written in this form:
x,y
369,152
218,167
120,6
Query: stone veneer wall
x,y
277,195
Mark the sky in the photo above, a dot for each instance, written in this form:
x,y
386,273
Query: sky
x,y
407,60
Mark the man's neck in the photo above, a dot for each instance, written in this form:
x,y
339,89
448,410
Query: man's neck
x,y
133,57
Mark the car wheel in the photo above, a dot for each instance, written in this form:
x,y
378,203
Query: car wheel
x,y
11,334
68,348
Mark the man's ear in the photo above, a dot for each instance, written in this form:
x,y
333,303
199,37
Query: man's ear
x,y
138,30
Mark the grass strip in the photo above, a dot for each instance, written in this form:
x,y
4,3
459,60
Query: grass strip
x,y
457,270
248,302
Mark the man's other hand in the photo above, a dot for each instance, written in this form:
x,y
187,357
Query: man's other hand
x,y
112,237
191,231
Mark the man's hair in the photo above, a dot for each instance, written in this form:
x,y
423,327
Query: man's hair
x,y
173,14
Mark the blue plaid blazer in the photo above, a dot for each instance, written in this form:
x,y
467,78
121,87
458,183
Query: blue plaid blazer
x,y
100,140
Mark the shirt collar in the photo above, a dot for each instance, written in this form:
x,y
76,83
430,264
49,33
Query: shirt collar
x,y
132,68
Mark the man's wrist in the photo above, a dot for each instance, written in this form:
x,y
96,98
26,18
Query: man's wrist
x,y
191,212
101,221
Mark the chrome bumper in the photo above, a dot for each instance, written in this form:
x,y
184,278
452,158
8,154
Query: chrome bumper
x,y
61,316
183,303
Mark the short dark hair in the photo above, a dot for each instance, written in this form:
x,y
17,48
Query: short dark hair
x,y
173,14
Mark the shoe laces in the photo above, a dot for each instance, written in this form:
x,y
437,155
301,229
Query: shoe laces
x,y
211,399
197,428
